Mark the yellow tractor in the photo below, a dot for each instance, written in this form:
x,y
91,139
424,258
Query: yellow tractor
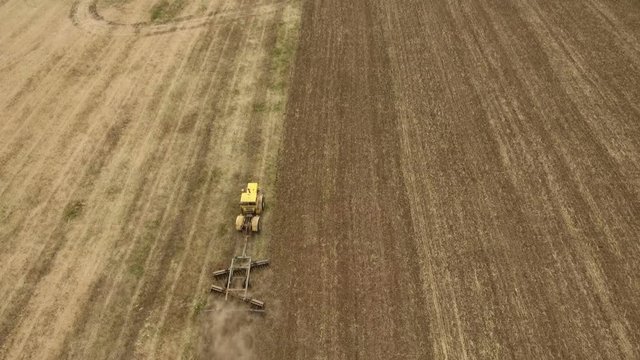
x,y
251,206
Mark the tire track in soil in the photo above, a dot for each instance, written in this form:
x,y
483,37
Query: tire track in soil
x,y
25,25
19,225
106,150
189,61
201,260
152,298
48,66
34,190
9,63
87,17
105,156
191,233
149,291
114,137
59,109
198,260
31,219
162,215
30,34
47,255
28,112
83,317
255,143
93,167
35,57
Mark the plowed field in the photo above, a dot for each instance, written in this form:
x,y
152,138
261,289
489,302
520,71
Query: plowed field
x,y
460,179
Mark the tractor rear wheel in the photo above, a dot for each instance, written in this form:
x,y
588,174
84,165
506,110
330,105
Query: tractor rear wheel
x,y
255,224
239,222
260,204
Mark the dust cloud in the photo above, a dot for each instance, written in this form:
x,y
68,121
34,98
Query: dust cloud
x,y
227,332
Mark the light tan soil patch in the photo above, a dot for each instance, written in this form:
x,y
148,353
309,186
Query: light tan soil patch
x,y
121,158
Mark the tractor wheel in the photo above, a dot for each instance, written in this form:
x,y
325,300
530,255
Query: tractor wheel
x,y
260,204
239,222
255,224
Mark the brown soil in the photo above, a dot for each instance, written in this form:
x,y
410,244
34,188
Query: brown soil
x,y
122,154
460,180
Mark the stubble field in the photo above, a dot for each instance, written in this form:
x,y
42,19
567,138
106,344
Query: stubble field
x,y
127,131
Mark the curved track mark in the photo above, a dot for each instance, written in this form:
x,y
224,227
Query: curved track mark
x,y
85,15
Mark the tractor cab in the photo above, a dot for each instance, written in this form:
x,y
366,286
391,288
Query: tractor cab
x,y
251,206
249,199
